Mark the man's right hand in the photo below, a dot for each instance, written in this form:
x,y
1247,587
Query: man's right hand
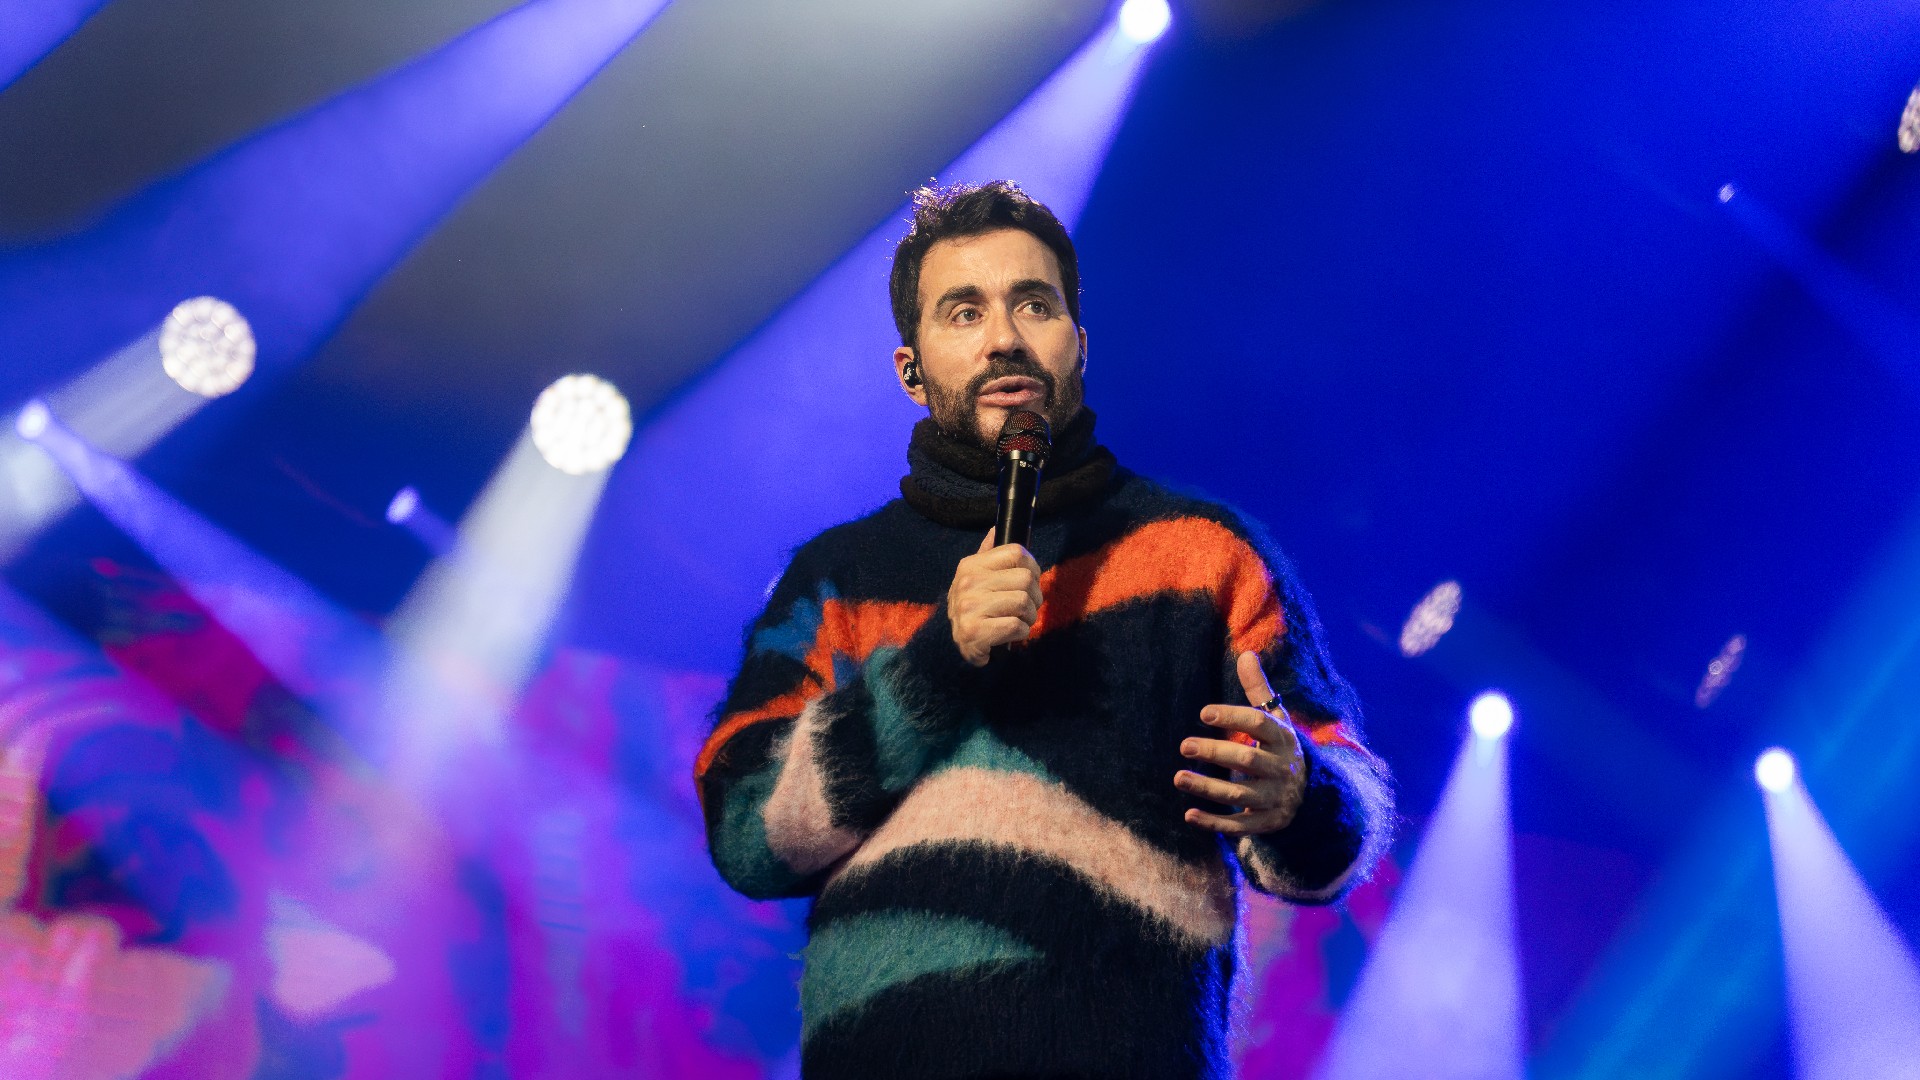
x,y
994,599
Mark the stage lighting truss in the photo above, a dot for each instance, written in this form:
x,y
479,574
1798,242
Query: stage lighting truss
x,y
1910,124
207,347
581,424
1432,617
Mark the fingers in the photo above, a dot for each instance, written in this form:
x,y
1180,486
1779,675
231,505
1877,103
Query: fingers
x,y
1256,796
1247,759
994,599
1020,605
1253,679
1250,823
976,642
1265,729
1017,580
1004,557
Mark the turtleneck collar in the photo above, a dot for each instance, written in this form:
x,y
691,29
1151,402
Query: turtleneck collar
x,y
953,481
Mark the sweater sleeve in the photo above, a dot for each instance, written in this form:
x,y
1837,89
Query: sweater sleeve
x,y
1344,822
838,708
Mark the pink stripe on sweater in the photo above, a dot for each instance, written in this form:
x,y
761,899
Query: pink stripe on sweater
x,y
1042,817
799,822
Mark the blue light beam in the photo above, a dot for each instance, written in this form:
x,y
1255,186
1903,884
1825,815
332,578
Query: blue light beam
x,y
470,632
1853,991
29,31
801,426
308,644
295,224
1440,995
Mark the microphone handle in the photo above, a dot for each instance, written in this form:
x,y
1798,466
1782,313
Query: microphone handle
x,y
1019,489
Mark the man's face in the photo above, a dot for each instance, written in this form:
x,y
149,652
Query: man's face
x,y
995,336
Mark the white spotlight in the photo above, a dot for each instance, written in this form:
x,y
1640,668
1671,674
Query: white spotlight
x,y
33,419
581,424
1491,715
1144,20
1432,617
405,502
1775,770
207,347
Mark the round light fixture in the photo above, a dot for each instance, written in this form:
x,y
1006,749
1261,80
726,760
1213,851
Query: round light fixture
x,y
1775,770
581,424
207,347
1432,617
405,502
33,419
1143,21
1491,715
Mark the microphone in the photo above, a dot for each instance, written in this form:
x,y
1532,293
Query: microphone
x,y
1024,443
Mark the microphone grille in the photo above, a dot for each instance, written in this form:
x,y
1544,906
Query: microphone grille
x,y
1025,432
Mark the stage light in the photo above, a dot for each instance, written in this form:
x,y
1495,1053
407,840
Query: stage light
x,y
1440,995
1491,715
1727,192
1910,124
1144,20
581,424
1432,617
1853,987
1775,770
1720,671
404,503
33,420
207,347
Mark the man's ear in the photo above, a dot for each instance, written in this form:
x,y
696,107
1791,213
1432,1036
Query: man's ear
x,y
1083,352
903,356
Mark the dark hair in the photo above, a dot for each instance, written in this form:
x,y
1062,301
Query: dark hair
x,y
969,210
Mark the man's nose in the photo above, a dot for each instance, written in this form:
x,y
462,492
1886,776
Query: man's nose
x,y
1003,335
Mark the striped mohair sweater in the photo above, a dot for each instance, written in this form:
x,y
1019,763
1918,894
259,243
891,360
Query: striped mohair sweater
x,y
1004,882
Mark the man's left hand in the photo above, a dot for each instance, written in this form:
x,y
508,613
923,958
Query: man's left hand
x,y
1267,778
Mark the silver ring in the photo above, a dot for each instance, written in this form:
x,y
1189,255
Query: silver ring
x,y
1272,704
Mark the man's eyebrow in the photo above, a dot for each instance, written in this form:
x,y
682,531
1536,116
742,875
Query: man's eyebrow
x,y
1037,285
956,294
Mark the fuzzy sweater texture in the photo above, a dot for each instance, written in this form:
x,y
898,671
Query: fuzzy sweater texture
x,y
1004,883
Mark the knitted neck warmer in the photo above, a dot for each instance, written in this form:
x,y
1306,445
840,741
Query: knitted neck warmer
x,y
955,482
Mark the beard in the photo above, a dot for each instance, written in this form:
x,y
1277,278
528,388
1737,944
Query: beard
x,y
957,412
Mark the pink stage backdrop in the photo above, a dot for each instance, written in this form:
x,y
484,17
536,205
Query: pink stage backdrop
x,y
200,878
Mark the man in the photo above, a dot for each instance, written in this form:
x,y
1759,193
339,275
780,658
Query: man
x,y
1026,863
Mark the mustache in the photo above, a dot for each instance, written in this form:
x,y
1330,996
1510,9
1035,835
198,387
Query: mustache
x,y
1016,363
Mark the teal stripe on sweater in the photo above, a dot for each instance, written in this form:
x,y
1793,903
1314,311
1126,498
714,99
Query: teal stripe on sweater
x,y
984,750
853,959
741,848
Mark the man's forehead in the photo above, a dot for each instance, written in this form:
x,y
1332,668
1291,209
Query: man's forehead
x,y
986,260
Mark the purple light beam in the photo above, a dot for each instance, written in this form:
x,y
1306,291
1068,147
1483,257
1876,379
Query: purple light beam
x,y
1440,995
801,426
31,30
295,224
1853,991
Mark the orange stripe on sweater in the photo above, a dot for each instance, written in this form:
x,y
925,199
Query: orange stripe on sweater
x,y
848,628
1186,555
